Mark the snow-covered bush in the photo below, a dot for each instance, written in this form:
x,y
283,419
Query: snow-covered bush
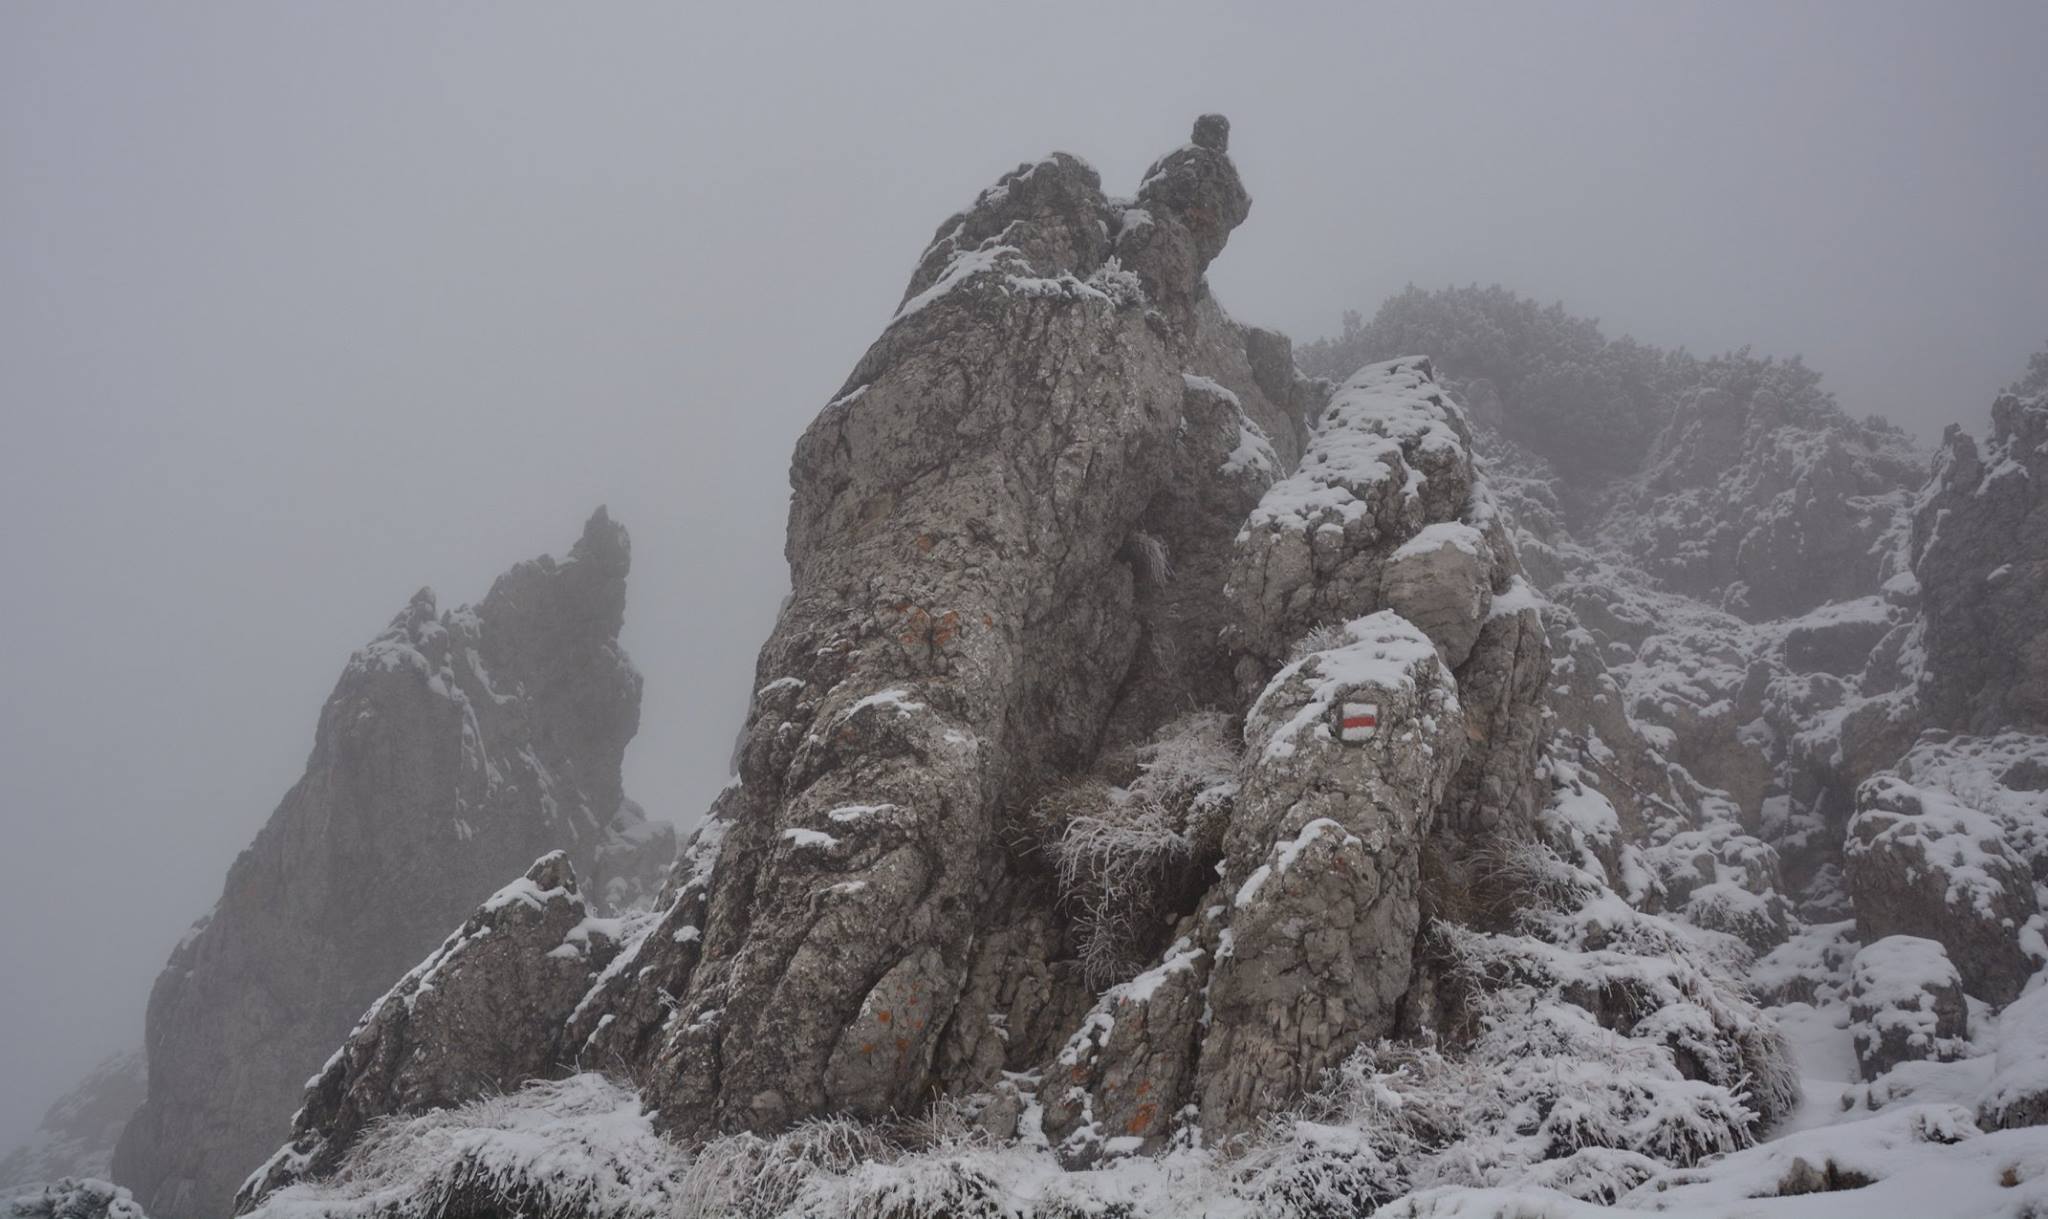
x,y
74,1198
1622,1029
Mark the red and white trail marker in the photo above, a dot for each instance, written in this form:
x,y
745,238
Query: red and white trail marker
x,y
1359,721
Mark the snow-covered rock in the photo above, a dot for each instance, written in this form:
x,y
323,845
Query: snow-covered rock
x,y
1980,559
456,748
1905,1004
77,1134
1921,861
483,1014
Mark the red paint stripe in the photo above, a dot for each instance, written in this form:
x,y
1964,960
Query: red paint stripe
x,y
1361,721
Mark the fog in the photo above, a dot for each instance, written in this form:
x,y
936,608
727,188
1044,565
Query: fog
x,y
302,308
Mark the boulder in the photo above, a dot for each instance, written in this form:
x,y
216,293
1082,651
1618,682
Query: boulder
x,y
1905,1005
1920,861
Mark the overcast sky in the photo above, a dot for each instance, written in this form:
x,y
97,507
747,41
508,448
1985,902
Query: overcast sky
x,y
302,308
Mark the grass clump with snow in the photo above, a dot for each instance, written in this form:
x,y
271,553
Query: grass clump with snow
x,y
581,1147
1129,857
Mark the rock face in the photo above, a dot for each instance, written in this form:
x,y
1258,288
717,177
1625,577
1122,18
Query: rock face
x,y
1980,559
1150,732
482,1014
78,1132
455,748
1765,499
1323,865
1905,1004
962,622
1921,861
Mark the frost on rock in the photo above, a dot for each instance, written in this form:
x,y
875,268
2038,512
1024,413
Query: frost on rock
x,y
1761,493
2018,1092
73,1198
580,1146
1389,458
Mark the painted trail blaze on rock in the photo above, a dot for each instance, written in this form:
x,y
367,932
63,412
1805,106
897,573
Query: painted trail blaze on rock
x,y
1358,721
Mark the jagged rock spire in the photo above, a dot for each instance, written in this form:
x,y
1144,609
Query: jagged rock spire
x,y
455,747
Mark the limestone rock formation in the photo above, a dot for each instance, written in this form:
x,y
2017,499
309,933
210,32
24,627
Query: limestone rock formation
x,y
1922,862
1765,498
455,748
1905,1004
77,1135
1157,742
1323,864
1980,561
482,1014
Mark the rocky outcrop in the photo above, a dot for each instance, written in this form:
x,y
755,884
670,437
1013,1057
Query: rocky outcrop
x,y
1980,561
1374,515
1323,864
1763,497
78,1132
1920,861
1131,755
482,1015
975,596
1905,1005
455,748
1389,510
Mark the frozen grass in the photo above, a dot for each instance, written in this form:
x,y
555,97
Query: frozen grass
x,y
1127,857
578,1148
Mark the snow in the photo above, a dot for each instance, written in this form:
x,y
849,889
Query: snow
x,y
1432,538
1249,890
1894,971
802,838
2021,1070
1254,452
524,891
582,1145
1381,651
1180,958
1964,845
1381,414
964,266
898,699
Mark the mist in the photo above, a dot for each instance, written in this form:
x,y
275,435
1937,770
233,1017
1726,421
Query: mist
x,y
302,308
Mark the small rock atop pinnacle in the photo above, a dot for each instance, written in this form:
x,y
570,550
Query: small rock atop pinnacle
x,y
1212,131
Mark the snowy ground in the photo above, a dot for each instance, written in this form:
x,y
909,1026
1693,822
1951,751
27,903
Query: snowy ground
x,y
1917,1155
